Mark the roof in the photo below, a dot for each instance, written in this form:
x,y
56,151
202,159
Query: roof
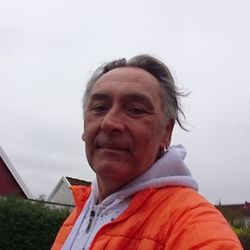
x,y
74,181
69,181
243,208
15,174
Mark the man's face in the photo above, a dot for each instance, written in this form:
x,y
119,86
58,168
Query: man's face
x,y
123,125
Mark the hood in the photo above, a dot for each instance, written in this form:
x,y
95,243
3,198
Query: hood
x,y
169,170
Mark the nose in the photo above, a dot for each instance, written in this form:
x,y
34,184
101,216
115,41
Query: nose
x,y
113,121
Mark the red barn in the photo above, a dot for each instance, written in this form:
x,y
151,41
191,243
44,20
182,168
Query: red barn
x,y
10,181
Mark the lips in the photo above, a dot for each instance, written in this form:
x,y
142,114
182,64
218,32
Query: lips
x,y
111,146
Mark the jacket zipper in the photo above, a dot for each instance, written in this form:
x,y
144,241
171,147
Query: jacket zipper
x,y
128,212
92,216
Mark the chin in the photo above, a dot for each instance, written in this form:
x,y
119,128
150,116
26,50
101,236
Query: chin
x,y
111,169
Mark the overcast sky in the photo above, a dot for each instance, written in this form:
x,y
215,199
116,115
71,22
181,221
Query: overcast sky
x,y
49,48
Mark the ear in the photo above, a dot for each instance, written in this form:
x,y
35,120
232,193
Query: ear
x,y
167,134
83,136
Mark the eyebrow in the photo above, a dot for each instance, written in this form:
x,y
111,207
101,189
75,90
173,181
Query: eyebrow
x,y
128,97
133,96
138,97
100,96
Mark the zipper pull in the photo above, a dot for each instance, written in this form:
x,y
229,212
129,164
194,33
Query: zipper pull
x,y
92,215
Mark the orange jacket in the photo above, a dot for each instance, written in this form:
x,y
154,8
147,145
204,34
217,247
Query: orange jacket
x,y
170,218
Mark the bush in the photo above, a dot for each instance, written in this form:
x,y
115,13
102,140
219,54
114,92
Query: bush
x,y
236,220
244,236
28,225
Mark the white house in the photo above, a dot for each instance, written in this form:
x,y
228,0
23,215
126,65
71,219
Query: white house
x,y
62,193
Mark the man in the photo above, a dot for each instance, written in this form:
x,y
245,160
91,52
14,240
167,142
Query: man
x,y
144,196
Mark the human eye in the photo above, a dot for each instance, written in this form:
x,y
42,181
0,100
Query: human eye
x,y
99,108
136,111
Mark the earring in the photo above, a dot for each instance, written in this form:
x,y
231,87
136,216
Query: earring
x,y
161,152
166,149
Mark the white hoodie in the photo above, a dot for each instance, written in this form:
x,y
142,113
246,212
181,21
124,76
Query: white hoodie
x,y
169,170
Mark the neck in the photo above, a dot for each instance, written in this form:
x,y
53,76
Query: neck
x,y
106,189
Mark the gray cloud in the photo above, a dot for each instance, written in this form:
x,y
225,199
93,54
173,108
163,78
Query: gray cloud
x,y
48,50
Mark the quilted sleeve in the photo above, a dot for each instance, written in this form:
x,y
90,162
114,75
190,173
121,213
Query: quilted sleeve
x,y
199,225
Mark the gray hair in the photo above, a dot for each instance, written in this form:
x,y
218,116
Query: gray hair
x,y
171,94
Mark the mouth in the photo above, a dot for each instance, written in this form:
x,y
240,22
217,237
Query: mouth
x,y
111,147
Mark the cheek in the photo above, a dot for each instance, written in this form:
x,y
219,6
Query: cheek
x,y
90,129
150,133
146,144
88,139
149,141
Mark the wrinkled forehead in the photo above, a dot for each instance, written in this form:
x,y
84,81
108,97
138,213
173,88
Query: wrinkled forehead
x,y
128,74
129,81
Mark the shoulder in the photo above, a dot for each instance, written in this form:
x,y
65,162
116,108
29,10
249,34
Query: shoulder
x,y
172,198
192,220
181,198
